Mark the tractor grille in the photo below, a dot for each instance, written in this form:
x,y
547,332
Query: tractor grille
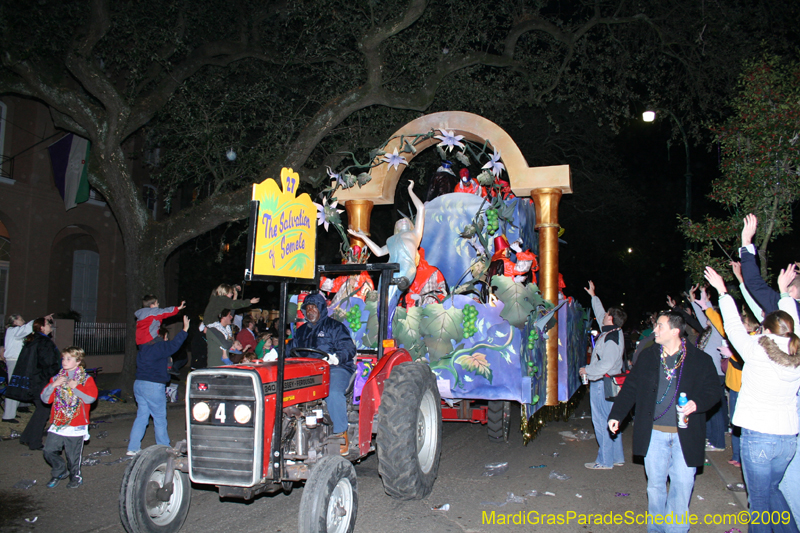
x,y
222,451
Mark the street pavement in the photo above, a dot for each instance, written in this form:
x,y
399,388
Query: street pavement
x,y
471,496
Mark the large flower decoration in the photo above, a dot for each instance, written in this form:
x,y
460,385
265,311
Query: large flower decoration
x,y
394,160
336,177
327,213
449,140
494,164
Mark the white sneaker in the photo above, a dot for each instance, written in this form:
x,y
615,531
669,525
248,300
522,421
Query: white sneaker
x,y
597,466
131,454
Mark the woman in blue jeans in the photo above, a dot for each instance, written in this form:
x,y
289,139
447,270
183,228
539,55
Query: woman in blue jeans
x,y
766,408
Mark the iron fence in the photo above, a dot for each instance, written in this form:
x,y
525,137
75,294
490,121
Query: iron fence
x,y
100,338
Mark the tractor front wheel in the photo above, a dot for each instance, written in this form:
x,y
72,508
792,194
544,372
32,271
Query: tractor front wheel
x,y
330,497
143,506
409,432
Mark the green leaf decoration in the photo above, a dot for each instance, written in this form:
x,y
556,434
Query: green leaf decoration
x,y
371,335
439,326
518,299
405,328
437,348
476,362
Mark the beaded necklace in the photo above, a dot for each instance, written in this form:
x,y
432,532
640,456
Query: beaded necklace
x,y
66,402
678,384
669,373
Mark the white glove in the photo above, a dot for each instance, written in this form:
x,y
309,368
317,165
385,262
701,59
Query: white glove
x,y
332,359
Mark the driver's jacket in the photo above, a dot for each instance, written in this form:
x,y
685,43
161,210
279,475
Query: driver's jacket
x,y
328,335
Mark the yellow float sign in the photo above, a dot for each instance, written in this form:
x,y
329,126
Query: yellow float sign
x,y
286,229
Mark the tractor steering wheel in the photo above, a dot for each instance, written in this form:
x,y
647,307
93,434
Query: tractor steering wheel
x,y
313,353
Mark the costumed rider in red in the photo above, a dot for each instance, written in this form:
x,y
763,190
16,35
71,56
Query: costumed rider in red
x,y
332,337
502,265
353,286
469,185
429,285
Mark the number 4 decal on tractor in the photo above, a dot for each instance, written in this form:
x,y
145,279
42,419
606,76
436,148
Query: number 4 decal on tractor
x,y
220,414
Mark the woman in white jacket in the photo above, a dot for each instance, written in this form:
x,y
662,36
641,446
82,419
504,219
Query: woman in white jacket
x,y
766,409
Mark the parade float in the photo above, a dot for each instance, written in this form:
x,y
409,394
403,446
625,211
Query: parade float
x,y
484,308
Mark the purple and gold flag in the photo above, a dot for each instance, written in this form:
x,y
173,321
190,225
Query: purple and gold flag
x,y
69,157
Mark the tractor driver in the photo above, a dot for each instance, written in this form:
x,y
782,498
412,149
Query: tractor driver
x,y
332,337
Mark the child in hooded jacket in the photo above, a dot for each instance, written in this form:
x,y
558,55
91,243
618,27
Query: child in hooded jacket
x,y
70,392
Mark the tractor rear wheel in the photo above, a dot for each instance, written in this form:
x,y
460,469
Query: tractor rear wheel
x,y
409,432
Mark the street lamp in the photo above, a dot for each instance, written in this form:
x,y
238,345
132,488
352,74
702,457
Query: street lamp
x,y
650,116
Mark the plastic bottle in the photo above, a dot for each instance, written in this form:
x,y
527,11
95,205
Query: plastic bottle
x,y
683,420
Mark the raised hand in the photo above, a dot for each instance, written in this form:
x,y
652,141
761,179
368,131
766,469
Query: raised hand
x,y
749,229
590,289
670,301
715,280
736,266
786,276
691,292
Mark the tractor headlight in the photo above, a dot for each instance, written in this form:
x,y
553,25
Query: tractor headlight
x,y
242,414
200,411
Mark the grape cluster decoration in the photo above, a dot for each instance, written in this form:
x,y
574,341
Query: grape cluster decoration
x,y
533,336
492,221
354,317
468,322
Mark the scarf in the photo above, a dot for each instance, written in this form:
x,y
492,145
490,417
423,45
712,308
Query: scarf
x,y
66,402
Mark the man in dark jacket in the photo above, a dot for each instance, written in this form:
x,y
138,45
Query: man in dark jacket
x,y
662,372
332,337
150,386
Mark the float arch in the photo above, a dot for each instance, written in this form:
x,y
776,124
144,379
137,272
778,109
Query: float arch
x,y
545,185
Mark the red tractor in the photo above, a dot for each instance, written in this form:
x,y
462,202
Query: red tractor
x,y
262,427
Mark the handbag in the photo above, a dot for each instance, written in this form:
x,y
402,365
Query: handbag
x,y
20,383
613,384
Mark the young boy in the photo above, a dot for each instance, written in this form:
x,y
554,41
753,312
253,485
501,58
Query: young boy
x,y
149,317
70,391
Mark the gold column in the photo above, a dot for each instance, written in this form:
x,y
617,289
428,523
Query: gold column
x,y
358,215
546,202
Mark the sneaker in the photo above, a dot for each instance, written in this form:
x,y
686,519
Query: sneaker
x,y
735,487
53,483
597,466
75,482
711,448
737,464
619,464
132,454
11,421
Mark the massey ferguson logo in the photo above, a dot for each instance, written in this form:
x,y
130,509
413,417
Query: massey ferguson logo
x,y
293,384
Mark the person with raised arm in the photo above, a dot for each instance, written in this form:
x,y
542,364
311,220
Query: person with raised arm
x,y
766,409
607,355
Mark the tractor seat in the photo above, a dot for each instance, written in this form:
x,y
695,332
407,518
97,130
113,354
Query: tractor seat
x,y
349,390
